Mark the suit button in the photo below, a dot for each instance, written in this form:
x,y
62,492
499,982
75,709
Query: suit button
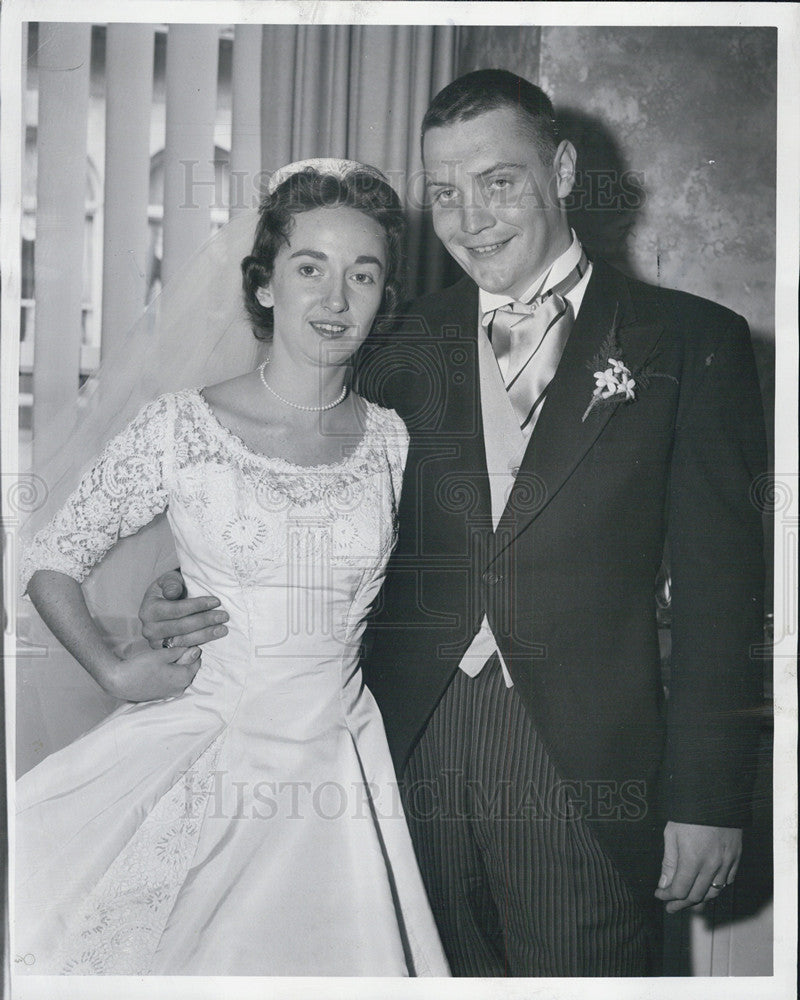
x,y
514,470
491,578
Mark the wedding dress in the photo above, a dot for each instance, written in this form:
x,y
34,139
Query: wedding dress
x,y
251,825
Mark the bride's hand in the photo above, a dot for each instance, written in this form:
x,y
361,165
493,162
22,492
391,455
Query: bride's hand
x,y
152,675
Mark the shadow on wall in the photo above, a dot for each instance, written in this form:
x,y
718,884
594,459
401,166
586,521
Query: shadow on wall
x,y
607,196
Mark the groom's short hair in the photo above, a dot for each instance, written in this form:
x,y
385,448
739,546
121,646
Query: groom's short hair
x,y
488,90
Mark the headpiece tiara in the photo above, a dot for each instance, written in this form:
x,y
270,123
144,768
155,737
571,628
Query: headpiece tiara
x,y
323,165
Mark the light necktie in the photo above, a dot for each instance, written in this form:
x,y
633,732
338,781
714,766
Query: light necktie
x,y
528,340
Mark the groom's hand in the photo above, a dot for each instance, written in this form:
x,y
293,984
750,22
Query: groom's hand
x,y
699,861
189,621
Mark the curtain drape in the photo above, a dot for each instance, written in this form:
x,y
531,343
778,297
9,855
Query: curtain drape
x,y
359,92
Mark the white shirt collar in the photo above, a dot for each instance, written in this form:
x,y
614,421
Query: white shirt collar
x,y
559,269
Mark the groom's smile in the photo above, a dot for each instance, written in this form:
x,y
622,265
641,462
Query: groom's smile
x,y
489,249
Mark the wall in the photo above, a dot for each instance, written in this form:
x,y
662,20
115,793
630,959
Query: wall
x,y
693,112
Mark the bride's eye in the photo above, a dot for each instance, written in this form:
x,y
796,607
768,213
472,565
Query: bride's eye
x,y
445,196
308,270
363,278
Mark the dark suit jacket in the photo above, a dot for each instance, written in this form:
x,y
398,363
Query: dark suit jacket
x,y
568,578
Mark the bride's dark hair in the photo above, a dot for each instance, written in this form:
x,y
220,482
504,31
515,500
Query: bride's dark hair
x,y
309,189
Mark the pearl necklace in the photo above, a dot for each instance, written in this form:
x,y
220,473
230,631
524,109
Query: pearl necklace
x,y
299,406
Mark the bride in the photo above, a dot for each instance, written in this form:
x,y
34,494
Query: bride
x,y
247,824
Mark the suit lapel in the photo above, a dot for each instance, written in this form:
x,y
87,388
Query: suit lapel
x,y
561,437
455,333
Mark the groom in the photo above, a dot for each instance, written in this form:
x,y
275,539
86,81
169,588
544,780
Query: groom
x,y
567,423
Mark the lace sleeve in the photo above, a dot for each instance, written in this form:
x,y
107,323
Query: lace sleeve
x,y
122,492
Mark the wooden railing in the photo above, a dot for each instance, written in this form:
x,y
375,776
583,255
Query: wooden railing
x,y
68,107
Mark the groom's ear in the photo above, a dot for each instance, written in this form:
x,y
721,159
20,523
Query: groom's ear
x,y
564,166
264,297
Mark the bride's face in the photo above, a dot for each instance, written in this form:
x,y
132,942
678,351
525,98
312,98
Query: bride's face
x,y
327,284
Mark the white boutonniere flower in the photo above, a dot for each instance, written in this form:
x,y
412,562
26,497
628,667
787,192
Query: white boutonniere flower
x,y
614,381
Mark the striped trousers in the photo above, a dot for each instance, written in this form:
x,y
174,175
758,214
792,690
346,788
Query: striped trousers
x,y
518,886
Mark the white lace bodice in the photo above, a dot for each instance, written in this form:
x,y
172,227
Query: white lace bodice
x,y
171,456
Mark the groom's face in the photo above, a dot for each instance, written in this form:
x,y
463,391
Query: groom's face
x,y
496,205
